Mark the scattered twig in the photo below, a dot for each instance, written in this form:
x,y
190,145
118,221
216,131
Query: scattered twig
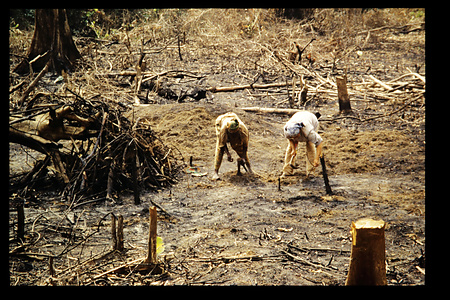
x,y
309,249
228,259
381,83
33,83
391,27
306,262
395,111
121,267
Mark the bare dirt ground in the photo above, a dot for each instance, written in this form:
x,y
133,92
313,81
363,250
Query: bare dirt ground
x,y
243,230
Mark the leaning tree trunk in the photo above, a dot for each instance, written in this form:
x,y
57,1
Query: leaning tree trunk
x,y
52,40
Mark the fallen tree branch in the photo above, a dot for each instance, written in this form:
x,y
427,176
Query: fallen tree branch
x,y
304,261
422,78
295,70
391,27
31,141
42,145
215,89
287,111
418,76
153,75
33,83
387,87
123,266
395,111
228,259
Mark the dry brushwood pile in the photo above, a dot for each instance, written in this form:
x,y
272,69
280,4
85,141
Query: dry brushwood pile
x,y
105,152
132,127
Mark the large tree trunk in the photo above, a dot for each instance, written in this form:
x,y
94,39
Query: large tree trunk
x,y
52,40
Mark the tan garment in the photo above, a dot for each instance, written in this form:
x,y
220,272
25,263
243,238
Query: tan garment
x,y
227,132
291,152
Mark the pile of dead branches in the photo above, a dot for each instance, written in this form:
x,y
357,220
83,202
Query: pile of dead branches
x,y
92,149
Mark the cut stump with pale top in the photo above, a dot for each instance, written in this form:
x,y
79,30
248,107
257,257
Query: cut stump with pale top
x,y
367,261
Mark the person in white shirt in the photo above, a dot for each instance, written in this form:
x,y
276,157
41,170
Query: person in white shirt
x,y
302,127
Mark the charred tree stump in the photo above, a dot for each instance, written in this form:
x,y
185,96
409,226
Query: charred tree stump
x,y
344,100
113,231
134,175
367,262
117,232
110,179
325,176
120,233
303,95
20,222
52,40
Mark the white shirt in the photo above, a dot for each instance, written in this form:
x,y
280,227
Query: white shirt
x,y
309,126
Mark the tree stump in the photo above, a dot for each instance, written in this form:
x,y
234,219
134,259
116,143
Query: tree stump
x,y
152,235
20,223
367,262
117,232
120,233
151,263
344,100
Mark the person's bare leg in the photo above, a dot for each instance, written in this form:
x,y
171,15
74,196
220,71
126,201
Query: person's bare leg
x,y
310,156
289,158
218,161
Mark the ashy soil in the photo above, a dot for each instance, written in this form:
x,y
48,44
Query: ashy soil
x,y
373,173
249,229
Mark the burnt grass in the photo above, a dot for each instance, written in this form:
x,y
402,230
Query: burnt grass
x,y
237,230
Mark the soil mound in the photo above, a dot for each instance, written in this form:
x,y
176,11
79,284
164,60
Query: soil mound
x,y
187,127
369,151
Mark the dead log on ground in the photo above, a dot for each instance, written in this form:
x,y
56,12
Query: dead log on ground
x,y
215,89
286,111
42,145
31,141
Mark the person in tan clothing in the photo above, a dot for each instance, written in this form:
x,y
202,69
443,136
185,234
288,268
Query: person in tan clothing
x,y
302,127
230,129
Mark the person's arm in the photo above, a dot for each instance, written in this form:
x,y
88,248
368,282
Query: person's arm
x,y
318,154
230,159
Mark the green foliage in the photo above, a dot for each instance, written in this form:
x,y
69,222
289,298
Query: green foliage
x,y
417,14
22,18
159,245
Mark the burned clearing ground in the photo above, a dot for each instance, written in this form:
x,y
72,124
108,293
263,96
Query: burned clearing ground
x,y
239,230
